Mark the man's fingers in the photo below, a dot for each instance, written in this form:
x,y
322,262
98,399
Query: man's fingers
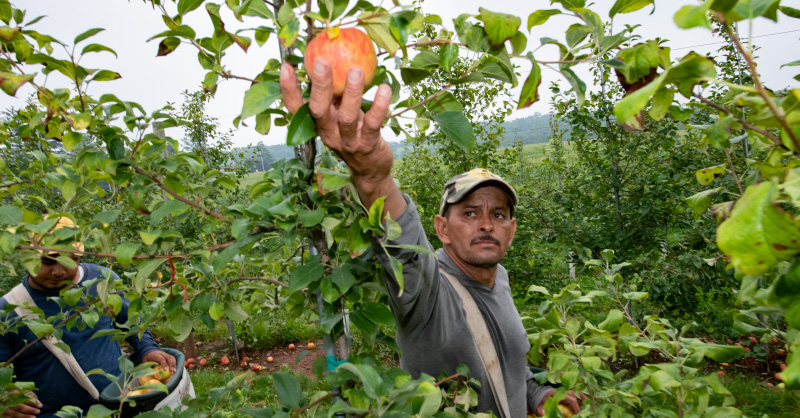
x,y
376,115
321,89
350,108
292,97
173,365
572,402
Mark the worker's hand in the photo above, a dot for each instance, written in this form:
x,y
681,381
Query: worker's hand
x,y
571,401
165,360
343,127
24,410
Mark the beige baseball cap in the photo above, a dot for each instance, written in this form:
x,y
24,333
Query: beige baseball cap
x,y
463,184
64,222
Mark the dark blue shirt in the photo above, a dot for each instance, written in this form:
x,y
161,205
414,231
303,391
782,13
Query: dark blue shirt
x,y
55,386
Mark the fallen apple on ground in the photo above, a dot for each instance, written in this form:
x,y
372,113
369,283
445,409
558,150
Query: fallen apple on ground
x,y
343,48
224,361
203,362
311,346
270,359
291,346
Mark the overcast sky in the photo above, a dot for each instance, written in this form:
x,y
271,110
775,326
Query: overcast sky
x,y
153,81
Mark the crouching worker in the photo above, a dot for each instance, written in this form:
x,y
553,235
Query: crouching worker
x,y
48,369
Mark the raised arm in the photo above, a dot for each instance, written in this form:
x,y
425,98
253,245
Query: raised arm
x,y
352,134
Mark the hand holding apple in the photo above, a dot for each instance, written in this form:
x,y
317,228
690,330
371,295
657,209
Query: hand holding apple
x,y
163,359
343,48
348,131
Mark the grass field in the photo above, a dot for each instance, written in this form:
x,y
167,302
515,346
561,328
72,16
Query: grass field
x,y
252,178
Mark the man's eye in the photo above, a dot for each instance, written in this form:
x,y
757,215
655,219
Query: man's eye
x,y
469,213
499,216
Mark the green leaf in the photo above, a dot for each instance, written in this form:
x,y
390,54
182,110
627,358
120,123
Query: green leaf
x,y
456,127
71,140
288,33
628,6
379,314
333,180
311,217
222,259
288,389
259,98
38,327
125,253
106,75
722,412
749,10
613,321
412,76
235,312
301,128
707,175
541,16
445,102
97,48
448,54
107,217
789,11
10,215
305,274
89,33
578,86
145,270
631,104
499,27
397,271
168,207
367,375
343,278
759,234
699,202
10,82
662,100
693,16
186,6
718,352
530,90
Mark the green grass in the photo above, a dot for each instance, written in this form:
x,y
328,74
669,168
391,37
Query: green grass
x,y
273,329
252,178
755,400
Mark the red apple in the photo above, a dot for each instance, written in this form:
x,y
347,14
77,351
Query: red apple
x,y
721,374
270,359
243,364
782,366
343,48
203,362
778,376
729,341
753,340
246,359
774,341
191,366
291,346
224,361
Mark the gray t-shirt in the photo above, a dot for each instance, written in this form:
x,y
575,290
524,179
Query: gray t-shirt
x,y
432,329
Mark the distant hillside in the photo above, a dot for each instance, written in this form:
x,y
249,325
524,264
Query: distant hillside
x,y
534,129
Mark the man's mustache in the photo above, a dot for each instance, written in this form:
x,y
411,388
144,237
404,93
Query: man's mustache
x,y
484,238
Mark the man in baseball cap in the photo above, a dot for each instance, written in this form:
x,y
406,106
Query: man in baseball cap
x,y
476,225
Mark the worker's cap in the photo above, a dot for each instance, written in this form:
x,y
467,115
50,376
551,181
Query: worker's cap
x,y
61,239
460,186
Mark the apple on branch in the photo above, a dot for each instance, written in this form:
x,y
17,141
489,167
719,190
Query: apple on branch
x,y
343,48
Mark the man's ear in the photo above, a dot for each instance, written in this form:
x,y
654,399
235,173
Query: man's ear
x,y
513,230
440,224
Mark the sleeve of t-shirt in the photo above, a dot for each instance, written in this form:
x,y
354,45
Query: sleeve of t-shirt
x,y
5,347
420,285
536,392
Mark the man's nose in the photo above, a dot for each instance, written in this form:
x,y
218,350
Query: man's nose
x,y
486,224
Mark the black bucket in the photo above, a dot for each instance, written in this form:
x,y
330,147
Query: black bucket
x,y
109,397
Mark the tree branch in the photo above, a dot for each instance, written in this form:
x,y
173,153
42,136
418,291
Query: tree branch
x,y
759,86
733,171
311,405
777,142
427,99
196,205
3,186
